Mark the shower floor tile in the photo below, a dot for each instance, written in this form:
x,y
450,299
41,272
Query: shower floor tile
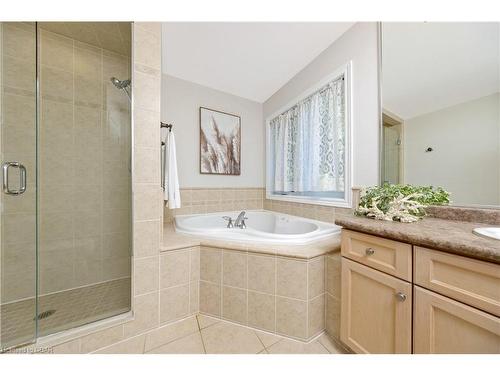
x,y
71,308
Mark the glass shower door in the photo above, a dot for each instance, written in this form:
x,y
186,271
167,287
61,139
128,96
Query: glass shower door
x,y
18,205
65,149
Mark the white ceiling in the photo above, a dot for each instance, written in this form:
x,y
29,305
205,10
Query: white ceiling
x,y
429,66
251,60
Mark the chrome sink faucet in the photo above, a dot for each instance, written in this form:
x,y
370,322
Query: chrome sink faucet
x,y
240,220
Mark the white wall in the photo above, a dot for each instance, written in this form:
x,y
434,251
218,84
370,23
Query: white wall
x,y
455,61
465,160
358,44
180,105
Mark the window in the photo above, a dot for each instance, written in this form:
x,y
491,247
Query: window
x,y
308,145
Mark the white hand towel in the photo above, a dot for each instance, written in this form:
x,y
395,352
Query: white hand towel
x,y
171,184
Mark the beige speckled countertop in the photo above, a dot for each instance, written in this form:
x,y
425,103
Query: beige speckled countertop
x,y
445,235
175,241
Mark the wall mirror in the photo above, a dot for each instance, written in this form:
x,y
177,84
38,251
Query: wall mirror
x,y
440,108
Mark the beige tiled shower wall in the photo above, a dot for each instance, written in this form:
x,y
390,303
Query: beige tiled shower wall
x,y
85,188
206,200
147,214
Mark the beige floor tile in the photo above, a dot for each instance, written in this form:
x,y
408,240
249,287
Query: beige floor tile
x,y
191,344
102,338
134,345
288,346
268,339
330,345
171,332
71,347
206,321
227,338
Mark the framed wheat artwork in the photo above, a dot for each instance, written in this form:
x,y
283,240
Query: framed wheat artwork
x,y
220,142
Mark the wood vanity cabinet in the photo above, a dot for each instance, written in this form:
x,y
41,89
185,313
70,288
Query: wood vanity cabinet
x,y
445,326
375,310
446,304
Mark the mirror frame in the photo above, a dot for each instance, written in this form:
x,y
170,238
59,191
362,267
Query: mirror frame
x,y
380,122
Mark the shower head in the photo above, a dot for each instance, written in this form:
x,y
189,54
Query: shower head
x,y
120,84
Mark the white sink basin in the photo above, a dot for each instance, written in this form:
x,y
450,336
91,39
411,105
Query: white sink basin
x,y
491,232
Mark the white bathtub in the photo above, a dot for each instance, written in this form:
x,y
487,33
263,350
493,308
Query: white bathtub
x,y
262,226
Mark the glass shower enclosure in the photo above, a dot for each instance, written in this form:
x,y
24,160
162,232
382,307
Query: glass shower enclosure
x,y
65,148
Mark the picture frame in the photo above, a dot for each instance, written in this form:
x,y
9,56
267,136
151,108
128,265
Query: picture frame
x,y
220,142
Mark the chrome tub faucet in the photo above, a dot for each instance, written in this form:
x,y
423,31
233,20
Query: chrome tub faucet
x,y
239,222
229,221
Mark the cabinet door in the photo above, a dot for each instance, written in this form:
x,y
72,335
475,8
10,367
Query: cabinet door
x,y
375,310
442,325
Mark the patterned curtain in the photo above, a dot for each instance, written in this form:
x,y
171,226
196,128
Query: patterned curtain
x,y
308,142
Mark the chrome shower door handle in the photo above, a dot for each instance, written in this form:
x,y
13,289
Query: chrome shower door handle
x,y
5,178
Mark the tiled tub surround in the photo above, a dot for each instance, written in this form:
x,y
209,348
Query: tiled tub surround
x,y
206,200
310,211
276,294
289,290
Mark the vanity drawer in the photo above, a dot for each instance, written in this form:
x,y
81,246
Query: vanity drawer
x,y
385,255
470,281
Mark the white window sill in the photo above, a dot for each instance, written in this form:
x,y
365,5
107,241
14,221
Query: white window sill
x,y
333,202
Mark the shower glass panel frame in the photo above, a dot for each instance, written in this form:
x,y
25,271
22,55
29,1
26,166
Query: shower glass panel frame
x,y
80,180
18,199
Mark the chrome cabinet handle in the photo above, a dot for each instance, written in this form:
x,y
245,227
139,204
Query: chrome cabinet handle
x,y
401,297
369,251
5,178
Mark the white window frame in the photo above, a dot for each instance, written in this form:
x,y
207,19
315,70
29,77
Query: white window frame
x,y
346,71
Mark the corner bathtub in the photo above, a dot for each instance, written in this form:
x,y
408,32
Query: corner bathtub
x,y
262,227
